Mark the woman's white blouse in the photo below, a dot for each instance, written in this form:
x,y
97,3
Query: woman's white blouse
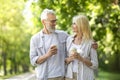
x,y
85,50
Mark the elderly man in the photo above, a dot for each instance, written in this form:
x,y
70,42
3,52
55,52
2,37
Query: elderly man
x,y
48,49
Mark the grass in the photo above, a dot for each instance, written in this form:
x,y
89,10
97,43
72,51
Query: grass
x,y
108,76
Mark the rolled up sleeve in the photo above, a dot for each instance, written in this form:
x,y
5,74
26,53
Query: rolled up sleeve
x,y
94,59
33,53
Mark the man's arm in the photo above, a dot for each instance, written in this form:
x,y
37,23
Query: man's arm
x,y
51,51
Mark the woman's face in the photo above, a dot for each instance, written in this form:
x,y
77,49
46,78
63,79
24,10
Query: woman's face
x,y
74,28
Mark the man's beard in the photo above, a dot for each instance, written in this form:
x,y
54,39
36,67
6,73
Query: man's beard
x,y
50,29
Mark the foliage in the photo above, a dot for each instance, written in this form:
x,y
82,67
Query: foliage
x,y
104,20
14,37
15,31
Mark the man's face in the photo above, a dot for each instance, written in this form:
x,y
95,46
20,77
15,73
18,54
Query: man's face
x,y
51,23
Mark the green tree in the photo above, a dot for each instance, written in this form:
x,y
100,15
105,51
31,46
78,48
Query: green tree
x,y
104,20
14,37
15,31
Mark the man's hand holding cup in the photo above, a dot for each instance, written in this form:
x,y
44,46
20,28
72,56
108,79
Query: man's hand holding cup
x,y
52,50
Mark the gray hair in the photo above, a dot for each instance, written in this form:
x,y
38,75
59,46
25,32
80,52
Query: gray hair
x,y
45,12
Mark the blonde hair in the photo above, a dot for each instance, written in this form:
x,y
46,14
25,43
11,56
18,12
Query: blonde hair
x,y
83,25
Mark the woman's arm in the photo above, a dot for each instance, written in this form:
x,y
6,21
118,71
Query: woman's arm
x,y
69,59
82,59
85,61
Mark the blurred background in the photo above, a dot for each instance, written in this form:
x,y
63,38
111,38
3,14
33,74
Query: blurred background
x,y
20,19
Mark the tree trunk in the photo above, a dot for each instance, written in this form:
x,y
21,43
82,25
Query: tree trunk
x,y
117,63
4,63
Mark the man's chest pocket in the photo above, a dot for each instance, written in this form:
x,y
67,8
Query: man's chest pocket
x,y
40,50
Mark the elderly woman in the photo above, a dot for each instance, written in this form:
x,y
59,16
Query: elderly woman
x,y
81,57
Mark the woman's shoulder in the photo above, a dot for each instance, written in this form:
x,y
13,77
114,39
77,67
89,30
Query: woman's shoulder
x,y
88,42
70,37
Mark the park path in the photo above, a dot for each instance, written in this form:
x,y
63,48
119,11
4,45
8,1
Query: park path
x,y
25,76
